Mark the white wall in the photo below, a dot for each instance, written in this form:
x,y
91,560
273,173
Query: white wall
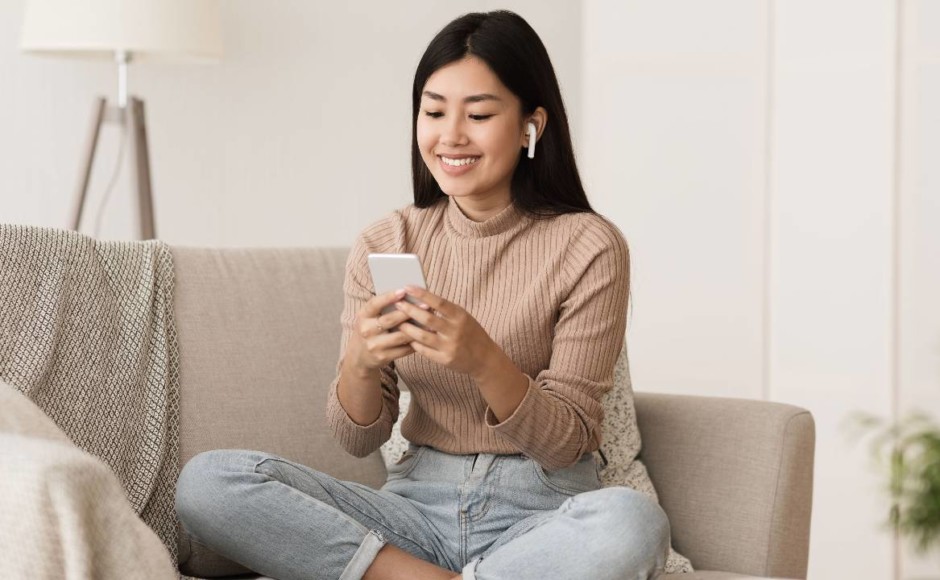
x,y
300,136
783,219
918,346
832,255
674,153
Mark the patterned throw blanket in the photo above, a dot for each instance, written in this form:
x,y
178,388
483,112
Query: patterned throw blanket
x,y
87,334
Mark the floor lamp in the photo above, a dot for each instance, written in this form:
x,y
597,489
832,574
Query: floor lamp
x,y
124,31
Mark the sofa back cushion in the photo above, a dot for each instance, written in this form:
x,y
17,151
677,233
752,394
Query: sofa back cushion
x,y
259,336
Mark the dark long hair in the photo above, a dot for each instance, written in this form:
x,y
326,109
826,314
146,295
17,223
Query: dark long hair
x,y
547,185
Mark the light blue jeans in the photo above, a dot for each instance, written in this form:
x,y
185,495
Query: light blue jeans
x,y
483,516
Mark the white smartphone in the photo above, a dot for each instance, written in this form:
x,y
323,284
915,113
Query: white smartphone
x,y
393,271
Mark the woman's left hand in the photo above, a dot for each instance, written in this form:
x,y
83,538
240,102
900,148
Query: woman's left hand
x,y
452,337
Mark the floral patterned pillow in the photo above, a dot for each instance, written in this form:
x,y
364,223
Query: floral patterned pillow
x,y
621,446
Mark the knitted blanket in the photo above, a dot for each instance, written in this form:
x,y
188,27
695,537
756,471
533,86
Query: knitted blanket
x,y
87,334
63,514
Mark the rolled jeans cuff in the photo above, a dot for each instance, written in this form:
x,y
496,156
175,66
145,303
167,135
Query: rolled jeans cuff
x,y
364,556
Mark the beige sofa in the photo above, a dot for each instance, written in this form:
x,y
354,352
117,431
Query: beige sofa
x,y
258,333
259,340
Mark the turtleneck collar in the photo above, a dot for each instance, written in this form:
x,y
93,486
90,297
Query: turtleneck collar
x,y
466,227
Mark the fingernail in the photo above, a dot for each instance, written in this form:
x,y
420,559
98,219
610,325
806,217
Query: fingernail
x,y
424,306
400,292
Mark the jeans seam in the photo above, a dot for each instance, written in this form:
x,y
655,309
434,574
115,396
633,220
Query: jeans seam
x,y
385,526
273,460
496,469
338,498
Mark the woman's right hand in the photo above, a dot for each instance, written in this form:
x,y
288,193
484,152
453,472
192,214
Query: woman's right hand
x,y
373,345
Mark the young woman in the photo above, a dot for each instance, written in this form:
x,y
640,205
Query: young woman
x,y
523,319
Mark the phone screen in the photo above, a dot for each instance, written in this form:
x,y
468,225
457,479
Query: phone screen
x,y
393,271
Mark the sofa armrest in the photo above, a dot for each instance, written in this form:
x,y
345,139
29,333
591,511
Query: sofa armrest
x,y
735,477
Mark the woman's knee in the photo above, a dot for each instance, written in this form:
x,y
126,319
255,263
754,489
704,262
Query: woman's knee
x,y
627,516
207,480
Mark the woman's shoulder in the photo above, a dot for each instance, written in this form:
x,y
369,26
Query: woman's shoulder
x,y
595,244
591,231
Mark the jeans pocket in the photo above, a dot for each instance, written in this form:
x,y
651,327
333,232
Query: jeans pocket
x,y
581,477
406,463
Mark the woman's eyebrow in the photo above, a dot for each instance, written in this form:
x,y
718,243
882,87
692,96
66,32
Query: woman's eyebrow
x,y
471,99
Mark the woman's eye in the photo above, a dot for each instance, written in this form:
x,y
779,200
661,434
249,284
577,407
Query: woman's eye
x,y
438,114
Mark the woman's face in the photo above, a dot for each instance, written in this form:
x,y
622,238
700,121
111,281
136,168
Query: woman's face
x,y
470,131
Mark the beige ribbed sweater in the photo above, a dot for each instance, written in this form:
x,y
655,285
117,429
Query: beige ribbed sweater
x,y
552,293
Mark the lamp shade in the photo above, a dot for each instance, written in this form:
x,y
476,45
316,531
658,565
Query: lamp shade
x,y
166,30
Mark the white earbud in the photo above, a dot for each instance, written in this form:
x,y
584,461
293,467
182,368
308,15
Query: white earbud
x,y
532,133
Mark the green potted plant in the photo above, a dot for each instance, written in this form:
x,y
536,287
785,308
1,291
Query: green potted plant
x,y
908,453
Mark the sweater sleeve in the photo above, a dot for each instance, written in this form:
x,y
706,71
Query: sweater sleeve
x,y
560,417
360,440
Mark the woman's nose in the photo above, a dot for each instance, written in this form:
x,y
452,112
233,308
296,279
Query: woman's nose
x,y
452,133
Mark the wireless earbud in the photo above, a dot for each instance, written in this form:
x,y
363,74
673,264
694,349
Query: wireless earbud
x,y
532,133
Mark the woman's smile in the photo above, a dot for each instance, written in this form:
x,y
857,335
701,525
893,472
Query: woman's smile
x,y
457,165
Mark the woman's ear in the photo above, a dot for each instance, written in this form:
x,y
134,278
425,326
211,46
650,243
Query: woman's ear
x,y
539,118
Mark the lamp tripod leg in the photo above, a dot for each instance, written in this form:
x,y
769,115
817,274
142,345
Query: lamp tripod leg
x,y
142,166
85,176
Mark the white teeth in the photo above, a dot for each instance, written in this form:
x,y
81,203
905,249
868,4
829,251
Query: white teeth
x,y
459,162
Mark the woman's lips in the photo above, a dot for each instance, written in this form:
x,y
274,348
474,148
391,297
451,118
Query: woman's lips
x,y
456,170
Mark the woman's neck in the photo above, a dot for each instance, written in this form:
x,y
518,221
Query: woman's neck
x,y
480,210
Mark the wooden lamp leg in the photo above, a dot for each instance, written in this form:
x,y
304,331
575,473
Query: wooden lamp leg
x,y
142,166
138,128
97,120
